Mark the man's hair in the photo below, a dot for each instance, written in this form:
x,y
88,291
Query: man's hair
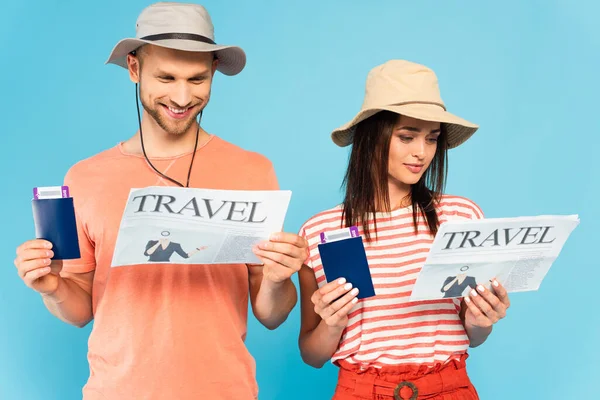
x,y
140,52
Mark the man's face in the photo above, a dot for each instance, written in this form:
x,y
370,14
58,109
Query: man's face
x,y
174,85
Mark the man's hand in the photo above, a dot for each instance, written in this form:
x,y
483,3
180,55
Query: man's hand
x,y
282,256
36,268
272,292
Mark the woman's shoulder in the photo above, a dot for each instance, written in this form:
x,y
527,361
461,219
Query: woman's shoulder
x,y
459,206
330,218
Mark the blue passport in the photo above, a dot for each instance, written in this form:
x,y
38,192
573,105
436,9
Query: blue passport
x,y
54,221
346,258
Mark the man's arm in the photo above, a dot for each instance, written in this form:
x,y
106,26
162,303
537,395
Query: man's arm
x,y
72,301
272,292
271,301
68,296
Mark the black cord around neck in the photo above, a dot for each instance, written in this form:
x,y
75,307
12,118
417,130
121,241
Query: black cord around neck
x,y
137,104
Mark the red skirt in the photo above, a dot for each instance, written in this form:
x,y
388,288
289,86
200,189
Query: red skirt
x,y
444,382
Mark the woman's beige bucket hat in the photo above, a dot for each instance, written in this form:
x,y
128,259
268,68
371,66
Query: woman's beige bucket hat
x,y
409,89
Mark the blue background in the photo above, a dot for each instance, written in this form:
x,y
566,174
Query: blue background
x,y
525,71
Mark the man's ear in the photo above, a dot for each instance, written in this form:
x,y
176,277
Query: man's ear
x,y
215,63
133,65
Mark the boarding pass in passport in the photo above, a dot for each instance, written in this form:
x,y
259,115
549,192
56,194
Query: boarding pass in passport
x,y
339,234
50,192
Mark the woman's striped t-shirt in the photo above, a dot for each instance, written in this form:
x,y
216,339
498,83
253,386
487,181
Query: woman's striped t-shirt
x,y
387,329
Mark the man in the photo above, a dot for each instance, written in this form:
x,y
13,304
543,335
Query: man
x,y
166,331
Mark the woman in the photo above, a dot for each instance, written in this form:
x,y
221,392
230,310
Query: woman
x,y
385,346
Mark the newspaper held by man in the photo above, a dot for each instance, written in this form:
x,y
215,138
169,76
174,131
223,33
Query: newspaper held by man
x,y
197,226
518,252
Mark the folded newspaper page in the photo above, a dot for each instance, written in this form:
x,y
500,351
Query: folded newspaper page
x,y
518,252
197,226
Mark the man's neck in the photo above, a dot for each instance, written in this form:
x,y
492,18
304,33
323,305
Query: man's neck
x,y
158,143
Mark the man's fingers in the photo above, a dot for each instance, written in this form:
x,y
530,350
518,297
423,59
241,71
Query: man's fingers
x,y
33,254
34,244
56,266
27,266
35,274
290,238
278,258
283,248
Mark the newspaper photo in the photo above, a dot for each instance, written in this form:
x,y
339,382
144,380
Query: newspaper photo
x,y
518,252
197,226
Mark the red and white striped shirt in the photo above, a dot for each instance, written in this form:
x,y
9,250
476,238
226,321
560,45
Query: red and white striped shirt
x,y
387,329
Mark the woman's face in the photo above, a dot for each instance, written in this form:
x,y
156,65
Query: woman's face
x,y
412,148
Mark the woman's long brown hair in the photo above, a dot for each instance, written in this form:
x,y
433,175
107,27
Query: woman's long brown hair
x,y
366,178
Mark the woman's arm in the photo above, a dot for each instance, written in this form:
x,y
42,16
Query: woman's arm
x,y
481,310
324,316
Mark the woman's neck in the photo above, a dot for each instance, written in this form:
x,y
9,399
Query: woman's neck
x,y
398,195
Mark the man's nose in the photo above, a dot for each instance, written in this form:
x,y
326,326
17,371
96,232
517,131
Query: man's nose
x,y
181,95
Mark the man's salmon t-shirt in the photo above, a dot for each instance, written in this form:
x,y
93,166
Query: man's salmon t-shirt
x,y
163,331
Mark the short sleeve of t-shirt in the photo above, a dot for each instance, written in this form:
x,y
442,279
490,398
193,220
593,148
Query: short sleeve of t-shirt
x,y
271,179
87,262
457,208
473,209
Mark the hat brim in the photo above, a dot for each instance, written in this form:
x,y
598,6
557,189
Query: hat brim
x,y
232,59
459,130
